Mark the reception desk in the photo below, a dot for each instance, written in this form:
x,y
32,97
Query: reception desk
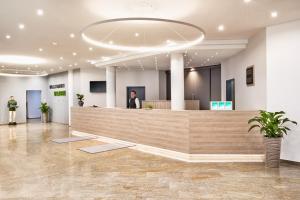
x,y
189,134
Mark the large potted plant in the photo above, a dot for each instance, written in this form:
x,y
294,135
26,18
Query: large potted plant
x,y
45,112
273,125
80,98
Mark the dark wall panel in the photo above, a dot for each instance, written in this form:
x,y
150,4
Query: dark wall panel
x,y
202,84
197,86
216,84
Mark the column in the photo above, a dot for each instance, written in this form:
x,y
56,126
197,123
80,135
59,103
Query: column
x,y
177,82
110,86
70,92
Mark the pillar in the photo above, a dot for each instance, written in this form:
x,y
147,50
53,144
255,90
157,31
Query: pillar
x,y
177,81
110,86
70,93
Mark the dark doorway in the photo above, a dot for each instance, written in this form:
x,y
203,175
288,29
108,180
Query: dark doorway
x,y
230,92
33,102
140,94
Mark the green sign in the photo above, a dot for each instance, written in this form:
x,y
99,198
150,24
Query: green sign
x,y
60,93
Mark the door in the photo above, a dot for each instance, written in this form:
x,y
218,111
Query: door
x,y
33,102
140,94
230,92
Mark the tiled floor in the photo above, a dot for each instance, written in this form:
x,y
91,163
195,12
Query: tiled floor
x,y
32,167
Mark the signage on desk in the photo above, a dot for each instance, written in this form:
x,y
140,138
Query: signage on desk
x,y
221,105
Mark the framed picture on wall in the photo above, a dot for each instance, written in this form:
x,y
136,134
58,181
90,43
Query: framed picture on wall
x,y
250,76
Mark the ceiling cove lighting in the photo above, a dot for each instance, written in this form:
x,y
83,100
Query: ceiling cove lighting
x,y
16,74
157,48
21,60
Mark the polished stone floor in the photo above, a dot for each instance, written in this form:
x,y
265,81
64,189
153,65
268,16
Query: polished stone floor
x,y
32,167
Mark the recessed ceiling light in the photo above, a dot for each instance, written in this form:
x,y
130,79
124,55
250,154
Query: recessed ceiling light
x,y
2,66
196,53
54,43
21,26
75,64
74,53
136,34
247,1
40,49
40,12
274,14
91,48
111,42
70,65
221,28
8,37
61,58
72,35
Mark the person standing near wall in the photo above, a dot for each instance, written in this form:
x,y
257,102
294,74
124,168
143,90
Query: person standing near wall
x,y
12,105
134,102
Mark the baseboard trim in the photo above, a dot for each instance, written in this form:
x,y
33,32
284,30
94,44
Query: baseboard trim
x,y
290,162
192,158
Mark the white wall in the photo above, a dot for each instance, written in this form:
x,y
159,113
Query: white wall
x,y
147,78
17,86
87,75
58,104
283,80
253,97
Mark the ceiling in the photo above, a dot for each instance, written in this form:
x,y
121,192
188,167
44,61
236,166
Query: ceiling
x,y
47,36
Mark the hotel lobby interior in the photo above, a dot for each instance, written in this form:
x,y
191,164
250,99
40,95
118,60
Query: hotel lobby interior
x,y
149,99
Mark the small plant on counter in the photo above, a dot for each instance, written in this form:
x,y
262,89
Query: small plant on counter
x,y
80,98
148,107
273,125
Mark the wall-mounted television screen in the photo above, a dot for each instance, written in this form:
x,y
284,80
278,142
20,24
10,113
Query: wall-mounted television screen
x,y
98,86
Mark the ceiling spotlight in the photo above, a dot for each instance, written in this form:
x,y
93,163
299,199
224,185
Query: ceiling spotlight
x,y
54,43
75,64
221,28
136,34
247,1
111,42
274,14
74,53
91,48
21,26
40,12
61,58
8,37
70,65
40,49
72,35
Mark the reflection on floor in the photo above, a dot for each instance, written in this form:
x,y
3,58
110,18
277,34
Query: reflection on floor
x,y
32,167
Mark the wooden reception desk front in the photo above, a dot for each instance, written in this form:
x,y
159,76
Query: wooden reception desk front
x,y
221,135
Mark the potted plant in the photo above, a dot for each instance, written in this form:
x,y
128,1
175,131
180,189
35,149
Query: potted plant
x,y
45,112
80,98
273,125
148,107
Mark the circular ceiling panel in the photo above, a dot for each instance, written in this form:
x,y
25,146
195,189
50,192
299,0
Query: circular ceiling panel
x,y
143,34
